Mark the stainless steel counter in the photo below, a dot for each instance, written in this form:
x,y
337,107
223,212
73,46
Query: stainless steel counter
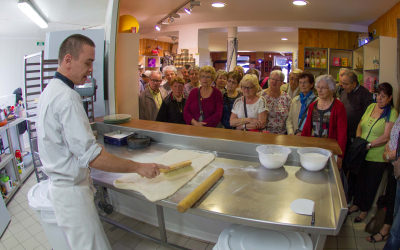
x,y
248,193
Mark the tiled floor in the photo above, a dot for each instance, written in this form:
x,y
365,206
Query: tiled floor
x,y
25,231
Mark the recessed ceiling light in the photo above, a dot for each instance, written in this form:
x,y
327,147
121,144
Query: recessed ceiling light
x,y
284,39
218,4
300,2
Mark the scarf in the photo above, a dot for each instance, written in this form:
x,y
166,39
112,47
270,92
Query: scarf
x,y
303,101
386,112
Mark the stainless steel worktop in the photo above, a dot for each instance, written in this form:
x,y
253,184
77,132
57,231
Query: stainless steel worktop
x,y
248,193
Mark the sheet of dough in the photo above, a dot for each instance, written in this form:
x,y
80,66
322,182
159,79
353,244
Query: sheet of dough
x,y
167,184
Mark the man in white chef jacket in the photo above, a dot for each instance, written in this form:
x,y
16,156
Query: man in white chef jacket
x,y
68,148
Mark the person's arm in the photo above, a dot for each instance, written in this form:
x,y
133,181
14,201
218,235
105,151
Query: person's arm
x,y
187,110
215,117
142,106
384,138
236,122
258,123
341,126
359,130
307,125
389,155
290,120
111,163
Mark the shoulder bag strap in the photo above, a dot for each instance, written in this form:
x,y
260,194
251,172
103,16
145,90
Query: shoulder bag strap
x,y
366,138
244,106
201,109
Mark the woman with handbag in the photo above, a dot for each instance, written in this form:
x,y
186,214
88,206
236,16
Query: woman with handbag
x,y
375,127
204,104
249,112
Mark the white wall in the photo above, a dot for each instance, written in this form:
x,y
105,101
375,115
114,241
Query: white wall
x,y
12,51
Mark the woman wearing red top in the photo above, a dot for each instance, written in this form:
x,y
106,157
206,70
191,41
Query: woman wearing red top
x,y
327,116
204,105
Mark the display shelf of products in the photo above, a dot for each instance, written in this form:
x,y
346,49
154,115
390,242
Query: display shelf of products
x,y
27,172
5,159
10,194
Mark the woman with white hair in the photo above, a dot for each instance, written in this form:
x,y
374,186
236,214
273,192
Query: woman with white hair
x,y
278,103
249,112
292,88
327,116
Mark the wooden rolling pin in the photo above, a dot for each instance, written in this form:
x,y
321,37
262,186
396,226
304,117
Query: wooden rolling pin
x,y
176,166
191,198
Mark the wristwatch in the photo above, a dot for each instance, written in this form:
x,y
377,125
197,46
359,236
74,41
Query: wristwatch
x,y
369,145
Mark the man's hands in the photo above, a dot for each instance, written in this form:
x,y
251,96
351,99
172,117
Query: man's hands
x,y
149,170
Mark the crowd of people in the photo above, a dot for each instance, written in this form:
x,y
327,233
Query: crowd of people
x,y
305,106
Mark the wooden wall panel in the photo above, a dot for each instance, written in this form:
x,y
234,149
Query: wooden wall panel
x,y
335,39
386,25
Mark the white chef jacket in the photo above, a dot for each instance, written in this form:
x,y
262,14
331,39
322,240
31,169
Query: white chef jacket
x,y
65,139
66,147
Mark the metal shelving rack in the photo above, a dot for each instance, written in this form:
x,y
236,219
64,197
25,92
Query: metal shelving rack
x,y
37,73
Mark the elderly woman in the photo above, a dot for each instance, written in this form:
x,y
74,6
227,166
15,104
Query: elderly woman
x,y
204,105
171,109
375,127
221,80
278,103
194,80
170,72
327,116
292,88
249,112
229,97
299,106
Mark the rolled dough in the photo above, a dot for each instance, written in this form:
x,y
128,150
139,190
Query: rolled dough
x,y
166,184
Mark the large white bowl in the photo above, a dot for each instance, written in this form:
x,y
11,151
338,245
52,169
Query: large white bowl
x,y
272,156
313,159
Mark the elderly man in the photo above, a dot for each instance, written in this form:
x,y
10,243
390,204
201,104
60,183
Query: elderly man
x,y
68,148
339,87
170,72
185,73
151,98
292,88
356,99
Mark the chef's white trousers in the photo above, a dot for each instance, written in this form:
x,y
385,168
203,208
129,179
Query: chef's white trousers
x,y
76,214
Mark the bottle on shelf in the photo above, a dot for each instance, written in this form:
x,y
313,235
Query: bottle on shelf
x,y
323,59
20,163
318,61
312,60
307,60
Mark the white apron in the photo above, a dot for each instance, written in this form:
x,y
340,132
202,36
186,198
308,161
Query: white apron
x,y
76,214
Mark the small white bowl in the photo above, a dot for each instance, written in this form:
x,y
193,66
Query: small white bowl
x,y
313,159
272,156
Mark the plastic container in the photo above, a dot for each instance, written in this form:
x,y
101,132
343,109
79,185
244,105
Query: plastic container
x,y
38,198
239,237
313,159
272,156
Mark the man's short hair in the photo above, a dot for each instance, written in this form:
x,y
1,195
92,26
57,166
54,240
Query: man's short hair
x,y
73,45
352,76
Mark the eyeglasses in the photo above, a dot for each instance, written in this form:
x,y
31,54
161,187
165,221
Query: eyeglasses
x,y
232,81
247,87
156,81
274,79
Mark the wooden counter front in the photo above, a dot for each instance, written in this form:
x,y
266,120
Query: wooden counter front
x,y
236,135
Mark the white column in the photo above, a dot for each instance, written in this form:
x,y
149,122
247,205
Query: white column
x,y
204,52
232,48
189,39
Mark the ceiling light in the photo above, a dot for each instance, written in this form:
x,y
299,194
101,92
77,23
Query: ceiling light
x,y
218,5
157,27
27,8
284,39
188,10
300,2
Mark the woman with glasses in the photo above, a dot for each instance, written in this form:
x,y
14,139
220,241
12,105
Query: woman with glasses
x,y
171,109
249,112
326,117
194,81
299,105
375,127
229,97
204,104
278,103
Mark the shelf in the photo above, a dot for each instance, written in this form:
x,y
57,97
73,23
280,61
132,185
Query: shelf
x,y
5,159
371,69
11,194
28,171
339,67
309,68
358,69
11,124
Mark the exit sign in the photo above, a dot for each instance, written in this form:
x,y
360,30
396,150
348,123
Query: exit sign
x,y
39,43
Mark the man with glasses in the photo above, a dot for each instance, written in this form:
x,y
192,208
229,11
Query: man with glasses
x,y
151,98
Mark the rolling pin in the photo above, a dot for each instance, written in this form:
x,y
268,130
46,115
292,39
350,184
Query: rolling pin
x,y
191,198
176,166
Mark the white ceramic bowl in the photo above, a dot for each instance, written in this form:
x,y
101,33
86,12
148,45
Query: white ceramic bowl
x,y
313,159
272,156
